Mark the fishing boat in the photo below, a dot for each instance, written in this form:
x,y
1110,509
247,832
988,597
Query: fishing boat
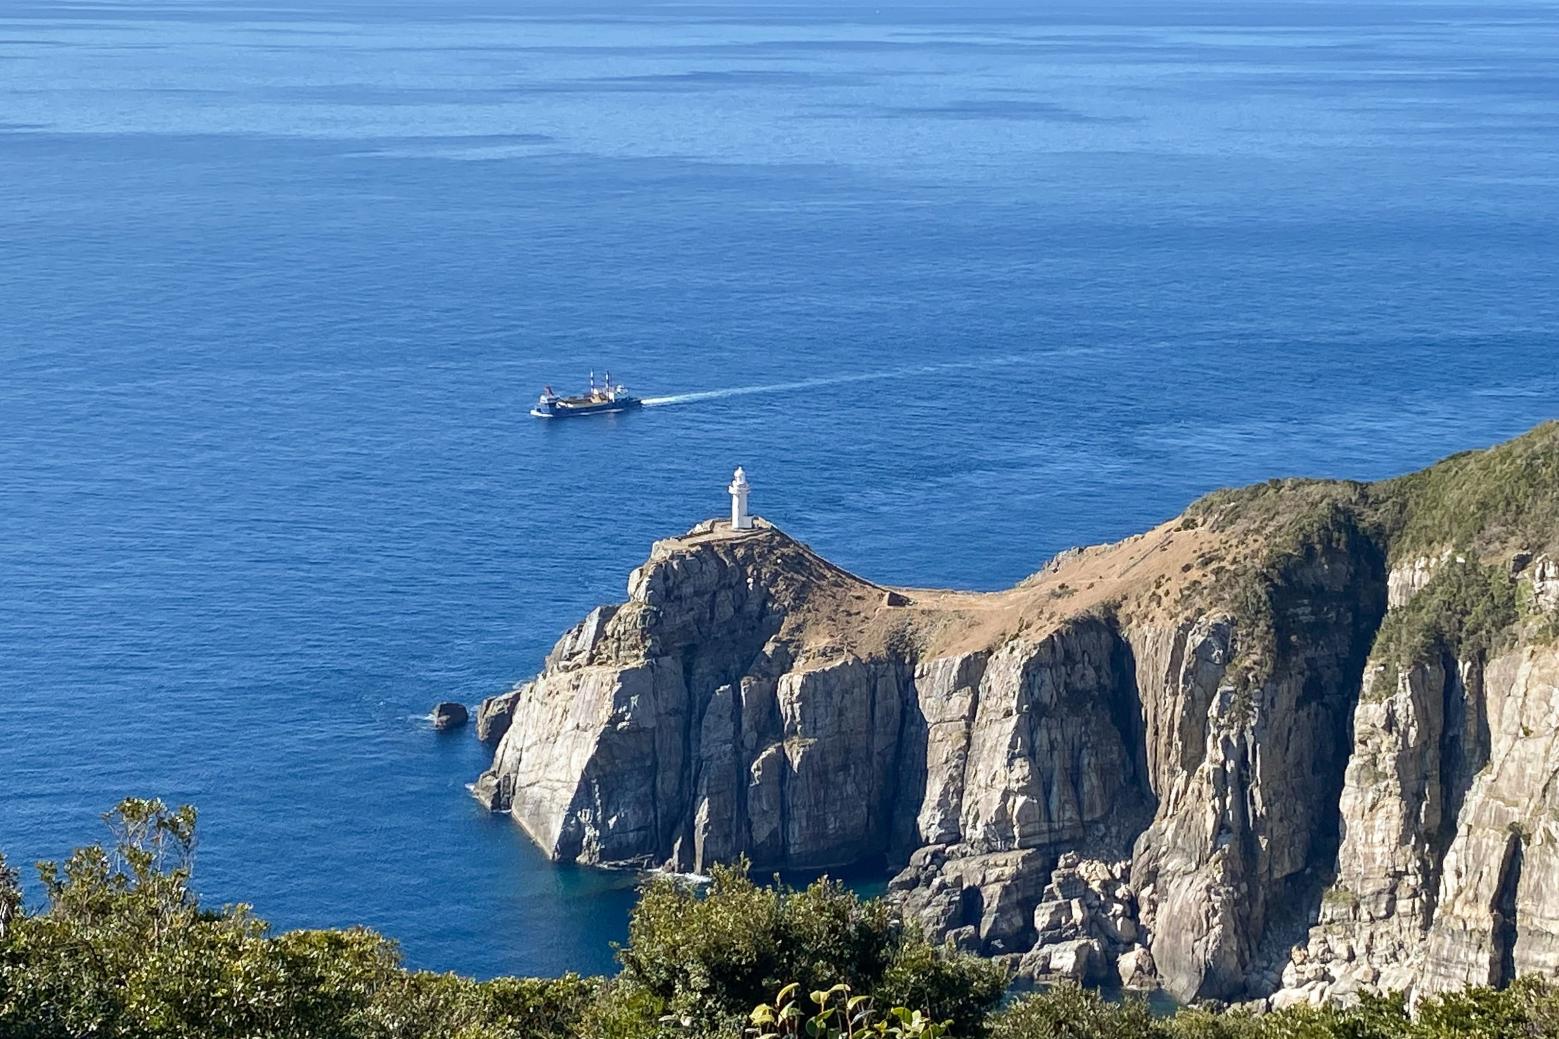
x,y
606,399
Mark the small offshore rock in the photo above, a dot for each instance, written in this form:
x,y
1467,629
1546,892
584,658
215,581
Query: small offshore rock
x,y
449,715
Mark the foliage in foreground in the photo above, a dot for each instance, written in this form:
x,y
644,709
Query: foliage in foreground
x,y
837,1013
1529,1009
710,959
122,950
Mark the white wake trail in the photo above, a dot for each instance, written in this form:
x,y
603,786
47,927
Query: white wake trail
x,y
830,380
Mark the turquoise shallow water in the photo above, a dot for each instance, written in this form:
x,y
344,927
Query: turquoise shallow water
x,y
281,279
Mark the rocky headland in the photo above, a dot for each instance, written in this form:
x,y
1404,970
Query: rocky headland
x,y
1301,741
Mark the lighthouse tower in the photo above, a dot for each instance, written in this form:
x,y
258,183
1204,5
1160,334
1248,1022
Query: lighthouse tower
x,y
739,488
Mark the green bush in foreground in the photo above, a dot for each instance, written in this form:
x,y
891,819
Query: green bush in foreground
x,y
1529,1009
123,950
837,1013
709,958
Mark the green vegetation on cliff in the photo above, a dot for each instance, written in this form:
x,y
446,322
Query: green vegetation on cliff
x,y
1479,502
123,950
1466,609
1477,509
1503,498
1284,542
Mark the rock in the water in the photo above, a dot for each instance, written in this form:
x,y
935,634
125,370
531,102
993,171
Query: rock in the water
x,y
495,792
494,714
449,715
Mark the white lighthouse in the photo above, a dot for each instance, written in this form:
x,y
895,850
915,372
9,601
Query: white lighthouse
x,y
739,488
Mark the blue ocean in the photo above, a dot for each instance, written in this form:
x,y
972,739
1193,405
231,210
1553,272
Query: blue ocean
x,y
959,284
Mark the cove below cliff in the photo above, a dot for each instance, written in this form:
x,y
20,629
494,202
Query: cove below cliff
x,y
1297,742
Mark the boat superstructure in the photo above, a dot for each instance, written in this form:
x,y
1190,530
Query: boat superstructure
x,y
605,399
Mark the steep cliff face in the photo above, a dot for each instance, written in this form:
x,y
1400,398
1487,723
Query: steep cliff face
x,y
1253,766
1197,757
680,727
1448,872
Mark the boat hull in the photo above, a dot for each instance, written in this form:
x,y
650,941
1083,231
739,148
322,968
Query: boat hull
x,y
563,409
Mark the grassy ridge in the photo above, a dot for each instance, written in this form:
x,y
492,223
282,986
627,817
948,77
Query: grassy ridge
x,y
1476,509
1480,502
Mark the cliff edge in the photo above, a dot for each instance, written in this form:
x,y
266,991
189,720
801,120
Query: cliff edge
x,y
1296,742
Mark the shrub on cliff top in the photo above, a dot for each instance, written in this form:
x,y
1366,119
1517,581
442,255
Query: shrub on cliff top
x,y
1299,533
1478,501
1274,505
1478,504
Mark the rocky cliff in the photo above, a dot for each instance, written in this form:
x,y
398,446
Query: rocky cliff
x,y
1298,741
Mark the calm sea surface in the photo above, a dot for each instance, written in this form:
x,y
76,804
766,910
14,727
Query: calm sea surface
x,y
278,281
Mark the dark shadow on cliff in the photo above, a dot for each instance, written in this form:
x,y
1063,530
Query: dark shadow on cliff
x,y
1504,911
1331,592
1129,716
914,738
